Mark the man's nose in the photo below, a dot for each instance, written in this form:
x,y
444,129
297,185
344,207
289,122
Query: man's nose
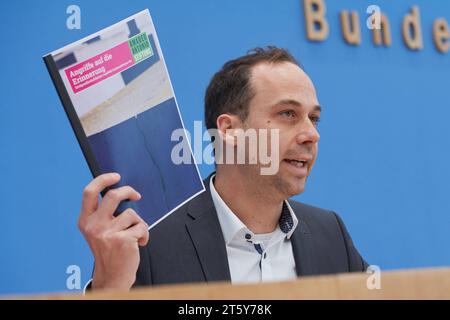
x,y
308,133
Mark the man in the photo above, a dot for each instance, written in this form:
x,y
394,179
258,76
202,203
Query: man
x,y
242,228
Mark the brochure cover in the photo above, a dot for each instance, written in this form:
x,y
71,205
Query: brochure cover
x,y
116,91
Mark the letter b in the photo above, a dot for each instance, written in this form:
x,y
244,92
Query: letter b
x,y
316,24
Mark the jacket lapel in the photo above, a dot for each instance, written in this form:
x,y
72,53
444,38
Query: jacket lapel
x,y
207,237
302,247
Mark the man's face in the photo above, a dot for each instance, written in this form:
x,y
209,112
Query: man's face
x,y
285,99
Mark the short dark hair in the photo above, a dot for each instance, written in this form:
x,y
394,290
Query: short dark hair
x,y
229,90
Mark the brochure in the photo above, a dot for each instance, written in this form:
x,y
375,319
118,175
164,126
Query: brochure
x,y
116,91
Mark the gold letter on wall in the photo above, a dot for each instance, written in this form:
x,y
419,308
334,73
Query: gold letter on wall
x,y
411,22
316,24
441,35
382,35
351,33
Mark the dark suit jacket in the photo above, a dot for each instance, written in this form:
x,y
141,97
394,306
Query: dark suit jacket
x,y
188,246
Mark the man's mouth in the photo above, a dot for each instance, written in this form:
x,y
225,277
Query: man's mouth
x,y
297,163
298,166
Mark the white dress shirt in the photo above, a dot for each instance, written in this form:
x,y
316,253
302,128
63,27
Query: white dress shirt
x,y
255,257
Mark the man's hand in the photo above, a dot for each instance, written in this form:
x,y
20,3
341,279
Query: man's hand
x,y
114,241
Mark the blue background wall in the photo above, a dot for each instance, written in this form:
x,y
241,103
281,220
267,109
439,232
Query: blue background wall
x,y
385,147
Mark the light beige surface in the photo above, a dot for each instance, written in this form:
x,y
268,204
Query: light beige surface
x,y
149,89
410,284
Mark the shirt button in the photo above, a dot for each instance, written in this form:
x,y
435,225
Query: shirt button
x,y
248,236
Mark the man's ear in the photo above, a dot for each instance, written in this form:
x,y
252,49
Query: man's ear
x,y
226,125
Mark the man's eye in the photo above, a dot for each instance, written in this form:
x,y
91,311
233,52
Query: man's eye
x,y
288,114
315,120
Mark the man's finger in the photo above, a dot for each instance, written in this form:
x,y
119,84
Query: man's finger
x,y
139,232
91,192
113,198
126,219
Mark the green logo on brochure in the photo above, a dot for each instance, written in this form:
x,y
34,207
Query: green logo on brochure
x,y
140,47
